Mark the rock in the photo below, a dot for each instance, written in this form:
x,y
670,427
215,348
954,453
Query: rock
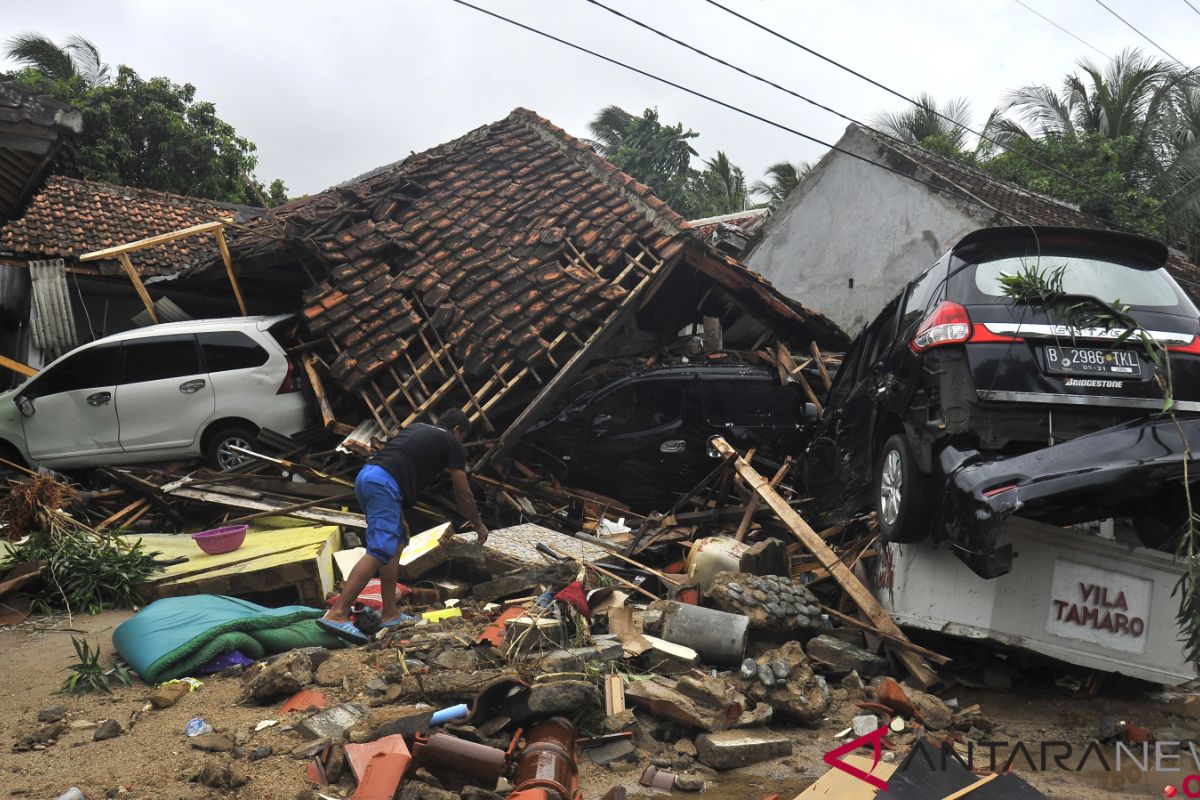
x,y
425,776
229,776
331,673
1108,728
416,790
169,694
309,749
408,722
760,716
376,686
766,676
284,676
575,659
841,656
731,749
686,747
932,711
457,658
803,697
689,783
769,603
749,669
332,722
259,753
478,793
213,742
41,736
853,684
621,751
52,714
864,724
559,698
109,729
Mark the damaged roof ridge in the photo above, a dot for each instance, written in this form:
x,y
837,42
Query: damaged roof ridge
x,y
192,202
666,219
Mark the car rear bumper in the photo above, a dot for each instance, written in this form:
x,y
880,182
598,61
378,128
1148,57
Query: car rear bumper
x,y
1105,470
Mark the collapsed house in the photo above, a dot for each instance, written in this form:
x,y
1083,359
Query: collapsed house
x,y
487,273
852,234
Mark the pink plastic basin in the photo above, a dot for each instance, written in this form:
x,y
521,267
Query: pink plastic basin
x,y
221,540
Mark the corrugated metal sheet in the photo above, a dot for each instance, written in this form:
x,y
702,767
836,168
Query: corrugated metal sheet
x,y
51,319
166,310
14,293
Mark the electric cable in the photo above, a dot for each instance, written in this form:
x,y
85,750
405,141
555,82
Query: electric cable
x,y
1061,28
1134,28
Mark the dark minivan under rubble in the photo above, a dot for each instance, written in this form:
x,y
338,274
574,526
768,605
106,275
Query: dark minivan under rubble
x,y
959,406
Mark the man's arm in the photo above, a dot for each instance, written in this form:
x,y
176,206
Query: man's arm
x,y
466,502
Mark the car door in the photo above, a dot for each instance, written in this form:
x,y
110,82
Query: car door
x,y
750,412
636,447
68,415
165,396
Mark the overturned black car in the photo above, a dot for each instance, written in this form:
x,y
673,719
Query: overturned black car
x,y
960,405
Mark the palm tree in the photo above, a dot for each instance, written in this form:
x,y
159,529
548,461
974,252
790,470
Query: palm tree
x,y
927,121
610,127
77,58
779,182
724,185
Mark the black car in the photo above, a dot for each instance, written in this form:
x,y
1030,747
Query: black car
x,y
643,437
958,406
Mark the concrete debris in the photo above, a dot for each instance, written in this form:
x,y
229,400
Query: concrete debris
x,y
620,752
739,748
52,714
801,695
331,673
332,722
771,603
222,776
284,676
838,656
213,742
705,704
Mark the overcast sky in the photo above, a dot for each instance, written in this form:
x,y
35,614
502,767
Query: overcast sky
x,y
330,90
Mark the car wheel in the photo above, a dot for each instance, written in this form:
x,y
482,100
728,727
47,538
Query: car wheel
x,y
219,451
901,490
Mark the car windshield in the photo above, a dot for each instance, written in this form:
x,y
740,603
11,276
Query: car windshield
x,y
1105,280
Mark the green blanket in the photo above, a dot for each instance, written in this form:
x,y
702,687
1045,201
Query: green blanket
x,y
175,636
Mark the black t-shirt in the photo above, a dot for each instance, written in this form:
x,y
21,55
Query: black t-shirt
x,y
417,455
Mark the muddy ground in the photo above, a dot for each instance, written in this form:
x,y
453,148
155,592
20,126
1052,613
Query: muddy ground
x,y
154,759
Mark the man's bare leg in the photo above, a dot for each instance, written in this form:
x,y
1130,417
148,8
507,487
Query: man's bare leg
x,y
389,573
366,568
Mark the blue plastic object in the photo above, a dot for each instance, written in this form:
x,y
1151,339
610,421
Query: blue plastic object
x,y
449,714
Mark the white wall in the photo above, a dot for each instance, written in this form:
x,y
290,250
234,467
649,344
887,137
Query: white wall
x,y
851,220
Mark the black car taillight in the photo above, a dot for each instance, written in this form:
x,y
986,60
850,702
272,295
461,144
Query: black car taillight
x,y
291,381
948,324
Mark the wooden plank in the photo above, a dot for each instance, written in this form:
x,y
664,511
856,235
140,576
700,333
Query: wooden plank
x,y
122,249
812,542
233,281
820,359
17,367
966,790
317,514
752,506
614,694
314,380
127,265
838,785
933,656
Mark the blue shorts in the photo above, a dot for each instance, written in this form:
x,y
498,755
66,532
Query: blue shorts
x,y
381,500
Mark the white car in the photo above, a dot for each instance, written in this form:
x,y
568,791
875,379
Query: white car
x,y
177,390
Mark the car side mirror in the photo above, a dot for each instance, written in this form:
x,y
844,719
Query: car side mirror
x,y
810,412
601,424
25,404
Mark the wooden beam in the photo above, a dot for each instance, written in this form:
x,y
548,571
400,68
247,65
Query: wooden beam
x,y
114,252
935,657
752,506
127,265
820,359
328,516
812,542
314,380
18,367
233,281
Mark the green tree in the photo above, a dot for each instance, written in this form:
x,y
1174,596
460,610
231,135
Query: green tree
x,y
277,193
779,182
148,133
918,125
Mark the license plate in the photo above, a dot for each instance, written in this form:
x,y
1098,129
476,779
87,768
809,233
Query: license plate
x,y
1092,361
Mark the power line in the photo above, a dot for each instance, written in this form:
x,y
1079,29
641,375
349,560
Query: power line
x,y
1192,7
1064,30
1133,28
835,112
952,191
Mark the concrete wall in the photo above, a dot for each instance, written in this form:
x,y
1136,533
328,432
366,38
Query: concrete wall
x,y
850,220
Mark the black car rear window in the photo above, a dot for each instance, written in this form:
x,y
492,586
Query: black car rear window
x,y
1108,280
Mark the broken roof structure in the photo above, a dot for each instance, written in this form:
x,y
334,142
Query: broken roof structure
x,y
730,233
506,259
33,127
69,217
